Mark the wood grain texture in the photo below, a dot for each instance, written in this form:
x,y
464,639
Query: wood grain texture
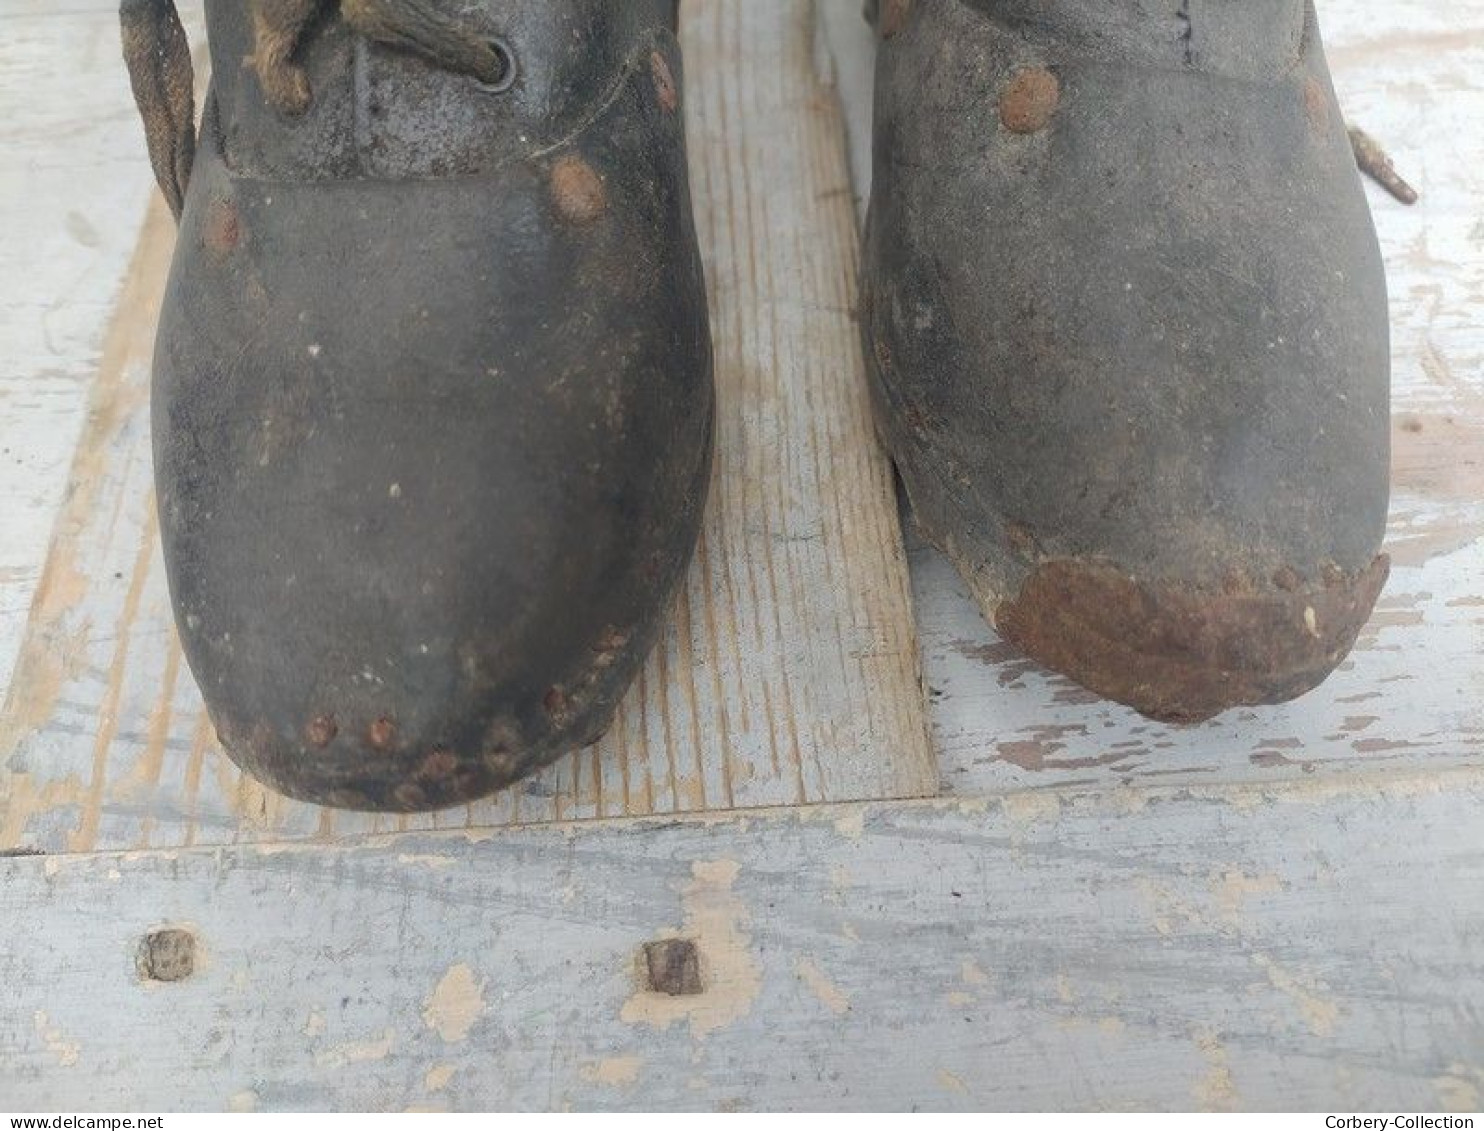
x,y
1288,939
1138,949
1412,75
789,672
72,188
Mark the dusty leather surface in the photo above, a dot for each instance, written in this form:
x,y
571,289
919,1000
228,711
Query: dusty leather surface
x,y
433,403
1125,314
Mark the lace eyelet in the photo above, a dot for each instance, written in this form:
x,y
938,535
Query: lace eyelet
x,y
508,73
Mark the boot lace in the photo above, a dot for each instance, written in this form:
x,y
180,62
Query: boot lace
x,y
158,57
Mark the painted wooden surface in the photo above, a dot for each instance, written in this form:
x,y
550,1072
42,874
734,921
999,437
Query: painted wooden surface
x,y
72,190
1412,73
1144,949
1279,910
789,673
1406,72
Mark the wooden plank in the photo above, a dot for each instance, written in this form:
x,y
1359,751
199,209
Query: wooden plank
x,y
1143,949
1413,75
1287,940
72,187
789,673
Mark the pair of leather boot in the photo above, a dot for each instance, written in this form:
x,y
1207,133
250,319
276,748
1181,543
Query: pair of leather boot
x,y
433,400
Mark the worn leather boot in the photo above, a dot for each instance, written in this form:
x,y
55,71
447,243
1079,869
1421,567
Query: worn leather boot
x,y
432,397
1127,329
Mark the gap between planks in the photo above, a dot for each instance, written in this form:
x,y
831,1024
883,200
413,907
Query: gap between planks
x,y
1379,785
912,955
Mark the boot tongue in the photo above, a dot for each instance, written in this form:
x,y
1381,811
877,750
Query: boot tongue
x,y
254,139
386,113
1249,39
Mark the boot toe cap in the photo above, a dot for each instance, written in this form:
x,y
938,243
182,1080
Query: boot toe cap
x,y
1183,655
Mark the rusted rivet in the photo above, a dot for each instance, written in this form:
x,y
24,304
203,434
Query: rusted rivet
x,y
1287,579
410,797
1029,101
577,191
437,765
382,733
502,737
894,15
504,765
1316,104
609,645
321,731
664,82
555,702
673,967
221,231
167,955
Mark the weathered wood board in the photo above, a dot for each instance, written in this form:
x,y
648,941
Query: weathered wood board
x,y
1283,909
1409,695
789,673
1413,692
72,191
1149,949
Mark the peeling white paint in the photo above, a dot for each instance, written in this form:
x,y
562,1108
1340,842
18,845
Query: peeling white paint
x,y
357,1052
615,1072
455,1004
833,998
66,1050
